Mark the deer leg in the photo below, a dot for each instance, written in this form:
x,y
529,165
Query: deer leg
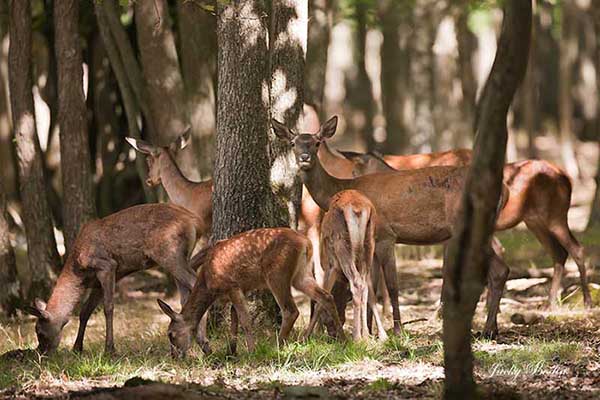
x,y
88,308
372,302
497,276
308,286
569,243
233,330
107,281
559,256
239,303
331,276
385,253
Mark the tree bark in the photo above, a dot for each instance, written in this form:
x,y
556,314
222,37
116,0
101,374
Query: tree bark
x,y
242,198
594,220
467,45
10,293
41,244
320,22
78,194
288,35
468,254
530,94
568,55
128,82
198,54
394,72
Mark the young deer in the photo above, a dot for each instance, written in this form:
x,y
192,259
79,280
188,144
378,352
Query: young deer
x,y
273,258
109,249
347,249
413,207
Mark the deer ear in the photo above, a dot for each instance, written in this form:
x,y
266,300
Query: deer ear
x,y
282,131
328,128
141,146
39,310
168,310
182,140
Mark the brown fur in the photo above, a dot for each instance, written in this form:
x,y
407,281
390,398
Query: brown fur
x,y
273,258
109,249
347,249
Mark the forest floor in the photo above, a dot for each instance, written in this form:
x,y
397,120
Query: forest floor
x,y
556,356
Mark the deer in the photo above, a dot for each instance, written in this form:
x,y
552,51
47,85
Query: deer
x,y
413,207
105,251
539,196
273,258
347,249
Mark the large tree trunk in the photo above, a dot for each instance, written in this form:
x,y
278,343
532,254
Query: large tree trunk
x,y
319,36
9,295
198,54
594,220
568,55
162,75
78,197
242,198
287,52
41,245
467,257
394,73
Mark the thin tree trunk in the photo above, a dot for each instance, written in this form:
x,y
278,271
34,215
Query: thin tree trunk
x,y
320,22
9,295
594,220
530,92
242,198
288,36
467,258
394,71
568,54
126,87
41,245
198,36
467,45
78,194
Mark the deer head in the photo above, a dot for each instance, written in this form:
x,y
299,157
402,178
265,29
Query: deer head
x,y
180,332
306,145
47,329
154,153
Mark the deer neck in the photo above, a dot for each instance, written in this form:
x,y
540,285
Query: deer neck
x,y
329,158
66,294
197,304
176,185
321,185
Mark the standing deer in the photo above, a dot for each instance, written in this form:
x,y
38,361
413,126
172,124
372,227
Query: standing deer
x,y
539,195
273,258
109,249
413,207
347,249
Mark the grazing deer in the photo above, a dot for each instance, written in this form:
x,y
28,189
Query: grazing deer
x,y
273,258
347,249
413,207
109,249
539,195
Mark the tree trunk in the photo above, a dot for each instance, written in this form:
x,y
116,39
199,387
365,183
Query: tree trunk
x,y
530,94
468,254
467,45
128,77
9,295
568,55
594,220
198,54
242,198
320,22
287,53
78,197
164,83
41,245
394,71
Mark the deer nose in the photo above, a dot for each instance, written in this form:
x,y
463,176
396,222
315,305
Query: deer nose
x,y
304,157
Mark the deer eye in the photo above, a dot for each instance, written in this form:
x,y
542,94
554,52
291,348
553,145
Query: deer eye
x,y
318,143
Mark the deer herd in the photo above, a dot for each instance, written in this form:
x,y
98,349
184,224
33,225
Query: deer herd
x,y
355,209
